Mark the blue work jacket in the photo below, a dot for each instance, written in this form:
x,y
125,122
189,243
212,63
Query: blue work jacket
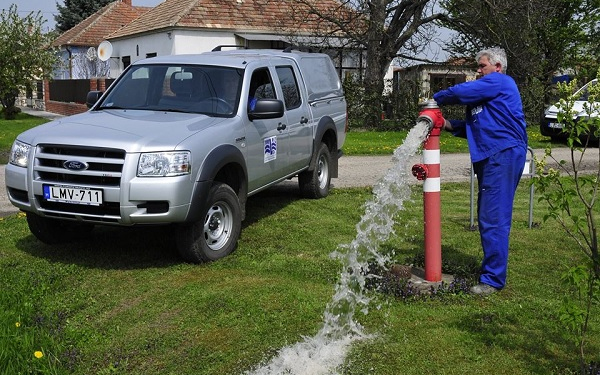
x,y
494,120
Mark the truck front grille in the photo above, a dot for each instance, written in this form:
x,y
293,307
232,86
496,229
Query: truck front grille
x,y
98,167
104,165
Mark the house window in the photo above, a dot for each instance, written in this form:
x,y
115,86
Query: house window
x,y
149,55
278,44
443,81
348,63
126,61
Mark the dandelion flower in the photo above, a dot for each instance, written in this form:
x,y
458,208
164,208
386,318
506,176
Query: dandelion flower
x,y
38,354
17,324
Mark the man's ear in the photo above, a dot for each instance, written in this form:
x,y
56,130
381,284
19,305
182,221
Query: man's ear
x,y
498,67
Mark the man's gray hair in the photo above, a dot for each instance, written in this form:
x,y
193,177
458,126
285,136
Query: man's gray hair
x,y
495,55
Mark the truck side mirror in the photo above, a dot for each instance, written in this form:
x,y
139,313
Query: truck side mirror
x,y
266,109
92,98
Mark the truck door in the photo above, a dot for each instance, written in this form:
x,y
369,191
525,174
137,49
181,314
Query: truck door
x,y
299,119
267,140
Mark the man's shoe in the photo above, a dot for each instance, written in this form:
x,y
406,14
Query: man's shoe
x,y
483,289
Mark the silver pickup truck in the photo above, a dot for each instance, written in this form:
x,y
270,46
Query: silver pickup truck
x,y
183,140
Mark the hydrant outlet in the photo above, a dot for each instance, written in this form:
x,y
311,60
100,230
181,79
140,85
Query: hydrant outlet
x,y
419,171
432,114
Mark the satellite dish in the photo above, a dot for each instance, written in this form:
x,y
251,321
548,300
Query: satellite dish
x,y
105,50
91,54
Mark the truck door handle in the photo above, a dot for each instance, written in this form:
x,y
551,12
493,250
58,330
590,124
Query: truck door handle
x,y
303,120
281,126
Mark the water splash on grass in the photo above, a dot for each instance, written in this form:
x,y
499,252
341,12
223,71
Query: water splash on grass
x,y
325,352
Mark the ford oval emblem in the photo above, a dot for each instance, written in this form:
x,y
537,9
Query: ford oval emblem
x,y
75,165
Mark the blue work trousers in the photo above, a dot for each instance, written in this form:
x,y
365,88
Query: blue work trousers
x,y
498,177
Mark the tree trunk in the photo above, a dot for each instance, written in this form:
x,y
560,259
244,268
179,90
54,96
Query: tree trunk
x,y
8,102
375,65
374,92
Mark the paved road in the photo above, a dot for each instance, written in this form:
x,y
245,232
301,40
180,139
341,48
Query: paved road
x,y
366,170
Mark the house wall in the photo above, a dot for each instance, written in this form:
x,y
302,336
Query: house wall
x,y
188,41
75,65
63,70
388,86
137,48
174,42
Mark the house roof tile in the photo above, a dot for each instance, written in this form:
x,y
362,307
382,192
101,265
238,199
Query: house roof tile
x,y
239,15
95,28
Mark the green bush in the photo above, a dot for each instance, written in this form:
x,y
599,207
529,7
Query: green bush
x,y
400,109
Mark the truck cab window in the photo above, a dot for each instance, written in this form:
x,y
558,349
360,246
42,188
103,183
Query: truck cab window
x,y
261,87
289,85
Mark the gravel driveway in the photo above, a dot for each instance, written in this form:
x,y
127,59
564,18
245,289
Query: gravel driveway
x,y
357,171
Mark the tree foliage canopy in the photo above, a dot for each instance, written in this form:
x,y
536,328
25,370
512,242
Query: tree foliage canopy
x,y
75,11
24,55
541,37
384,29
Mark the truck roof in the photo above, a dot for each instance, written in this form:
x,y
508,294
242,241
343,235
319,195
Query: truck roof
x,y
230,58
321,78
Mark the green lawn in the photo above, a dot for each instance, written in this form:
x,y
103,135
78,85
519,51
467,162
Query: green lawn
x,y
122,301
384,143
10,129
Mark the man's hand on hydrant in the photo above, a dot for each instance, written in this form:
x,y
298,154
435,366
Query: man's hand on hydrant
x,y
448,125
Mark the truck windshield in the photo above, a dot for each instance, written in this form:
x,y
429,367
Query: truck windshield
x,y
210,90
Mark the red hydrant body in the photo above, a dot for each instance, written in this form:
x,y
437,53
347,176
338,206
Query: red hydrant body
x,y
429,172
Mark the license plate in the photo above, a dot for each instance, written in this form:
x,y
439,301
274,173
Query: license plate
x,y
555,125
73,195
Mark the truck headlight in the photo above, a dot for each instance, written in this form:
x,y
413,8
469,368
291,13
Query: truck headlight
x,y
164,164
19,154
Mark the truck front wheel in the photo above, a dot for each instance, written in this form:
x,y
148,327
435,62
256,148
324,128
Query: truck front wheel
x,y
216,236
315,183
52,231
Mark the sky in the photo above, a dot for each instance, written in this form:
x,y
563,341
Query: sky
x,y
48,8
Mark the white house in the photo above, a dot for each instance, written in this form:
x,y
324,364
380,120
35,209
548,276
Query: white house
x,y
194,26
78,46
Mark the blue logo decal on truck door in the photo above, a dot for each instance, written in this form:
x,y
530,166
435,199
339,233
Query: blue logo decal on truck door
x,y
270,147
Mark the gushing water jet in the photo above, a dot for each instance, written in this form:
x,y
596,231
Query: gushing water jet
x,y
325,352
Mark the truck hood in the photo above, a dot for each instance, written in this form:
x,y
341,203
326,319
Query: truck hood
x,y
578,108
130,130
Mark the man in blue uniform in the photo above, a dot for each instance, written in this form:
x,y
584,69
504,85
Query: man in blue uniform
x,y
497,138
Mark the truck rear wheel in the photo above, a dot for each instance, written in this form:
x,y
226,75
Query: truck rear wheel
x,y
216,236
51,231
315,183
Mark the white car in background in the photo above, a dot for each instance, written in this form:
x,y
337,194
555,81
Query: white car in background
x,y
551,127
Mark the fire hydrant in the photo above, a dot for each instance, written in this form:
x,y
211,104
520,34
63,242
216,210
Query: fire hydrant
x,y
429,173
